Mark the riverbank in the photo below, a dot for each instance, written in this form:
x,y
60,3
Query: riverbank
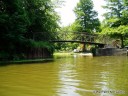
x,y
63,53
29,61
25,61
72,53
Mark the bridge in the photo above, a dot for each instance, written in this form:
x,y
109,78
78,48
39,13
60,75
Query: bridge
x,y
78,37
97,40
73,37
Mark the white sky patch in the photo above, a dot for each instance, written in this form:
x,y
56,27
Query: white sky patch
x,y
66,12
98,7
68,16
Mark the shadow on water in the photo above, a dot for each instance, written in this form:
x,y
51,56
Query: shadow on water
x,y
30,61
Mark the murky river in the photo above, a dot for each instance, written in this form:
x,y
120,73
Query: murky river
x,y
67,76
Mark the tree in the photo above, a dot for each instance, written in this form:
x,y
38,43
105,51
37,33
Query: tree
x,y
86,16
120,32
13,23
116,12
76,26
43,18
25,23
116,19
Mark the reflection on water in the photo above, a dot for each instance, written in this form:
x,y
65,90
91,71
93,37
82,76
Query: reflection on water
x,y
67,76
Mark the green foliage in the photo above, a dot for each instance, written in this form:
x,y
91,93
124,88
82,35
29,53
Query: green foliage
x,y
76,26
115,8
86,16
69,47
117,13
116,19
20,20
40,44
43,18
116,32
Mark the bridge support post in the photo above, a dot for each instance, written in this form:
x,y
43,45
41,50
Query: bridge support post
x,y
83,47
101,46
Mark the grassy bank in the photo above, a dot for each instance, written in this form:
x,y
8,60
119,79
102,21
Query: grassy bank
x,y
62,53
65,53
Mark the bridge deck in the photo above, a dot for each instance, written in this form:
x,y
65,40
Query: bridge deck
x,y
78,41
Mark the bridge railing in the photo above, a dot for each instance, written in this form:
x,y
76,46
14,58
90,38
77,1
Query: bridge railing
x,y
72,36
76,36
103,39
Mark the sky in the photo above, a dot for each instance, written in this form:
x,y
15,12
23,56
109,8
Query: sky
x,y
68,16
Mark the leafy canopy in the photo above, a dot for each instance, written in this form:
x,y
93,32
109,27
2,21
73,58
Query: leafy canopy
x,y
86,16
23,22
116,19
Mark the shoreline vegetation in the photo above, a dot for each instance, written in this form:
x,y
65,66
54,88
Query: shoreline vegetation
x,y
43,60
8,62
26,61
29,27
73,53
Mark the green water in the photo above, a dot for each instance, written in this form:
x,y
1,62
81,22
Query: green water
x,y
67,76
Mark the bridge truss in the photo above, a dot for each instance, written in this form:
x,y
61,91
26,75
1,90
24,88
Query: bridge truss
x,y
80,37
